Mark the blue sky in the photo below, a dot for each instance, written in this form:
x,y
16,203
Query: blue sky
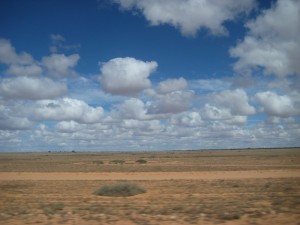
x,y
149,75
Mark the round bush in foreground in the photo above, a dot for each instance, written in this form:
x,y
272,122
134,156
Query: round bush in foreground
x,y
123,189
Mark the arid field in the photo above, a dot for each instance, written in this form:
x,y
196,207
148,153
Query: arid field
x,y
260,186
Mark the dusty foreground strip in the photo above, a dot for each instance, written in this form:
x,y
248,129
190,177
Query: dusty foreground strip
x,y
197,175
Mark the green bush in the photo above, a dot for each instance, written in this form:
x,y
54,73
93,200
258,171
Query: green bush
x,y
122,189
141,161
98,162
117,161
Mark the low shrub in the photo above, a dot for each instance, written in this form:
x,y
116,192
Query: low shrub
x,y
98,162
122,189
141,161
230,216
117,161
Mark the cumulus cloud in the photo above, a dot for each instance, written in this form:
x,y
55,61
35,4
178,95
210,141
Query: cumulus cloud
x,y
31,88
24,70
278,105
67,109
132,108
190,16
15,123
187,119
126,76
60,65
236,101
9,121
8,54
214,113
68,126
173,102
223,114
272,42
231,107
171,85
210,85
142,128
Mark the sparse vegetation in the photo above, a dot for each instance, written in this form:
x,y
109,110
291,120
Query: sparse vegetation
x,y
52,208
229,216
117,161
98,162
168,201
141,161
122,189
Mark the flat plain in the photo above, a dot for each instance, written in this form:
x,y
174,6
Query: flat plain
x,y
251,186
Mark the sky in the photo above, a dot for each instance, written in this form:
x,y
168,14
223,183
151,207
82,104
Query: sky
x,y
145,75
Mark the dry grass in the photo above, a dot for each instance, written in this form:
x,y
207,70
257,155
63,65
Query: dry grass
x,y
176,161
179,202
188,201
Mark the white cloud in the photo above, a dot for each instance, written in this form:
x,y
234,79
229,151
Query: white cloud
x,y
236,101
142,128
132,108
8,54
126,76
66,109
231,107
187,119
24,70
171,85
9,120
210,85
278,105
214,113
15,123
60,65
68,126
222,114
173,102
273,41
190,16
31,88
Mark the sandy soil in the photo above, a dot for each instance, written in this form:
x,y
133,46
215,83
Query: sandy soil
x,y
193,175
254,187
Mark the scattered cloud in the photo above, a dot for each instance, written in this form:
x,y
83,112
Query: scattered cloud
x,y
190,16
31,88
278,105
126,76
48,102
273,41
132,108
66,109
236,101
60,65
8,54
68,126
57,38
173,102
171,85
59,44
222,114
8,121
187,119
24,70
